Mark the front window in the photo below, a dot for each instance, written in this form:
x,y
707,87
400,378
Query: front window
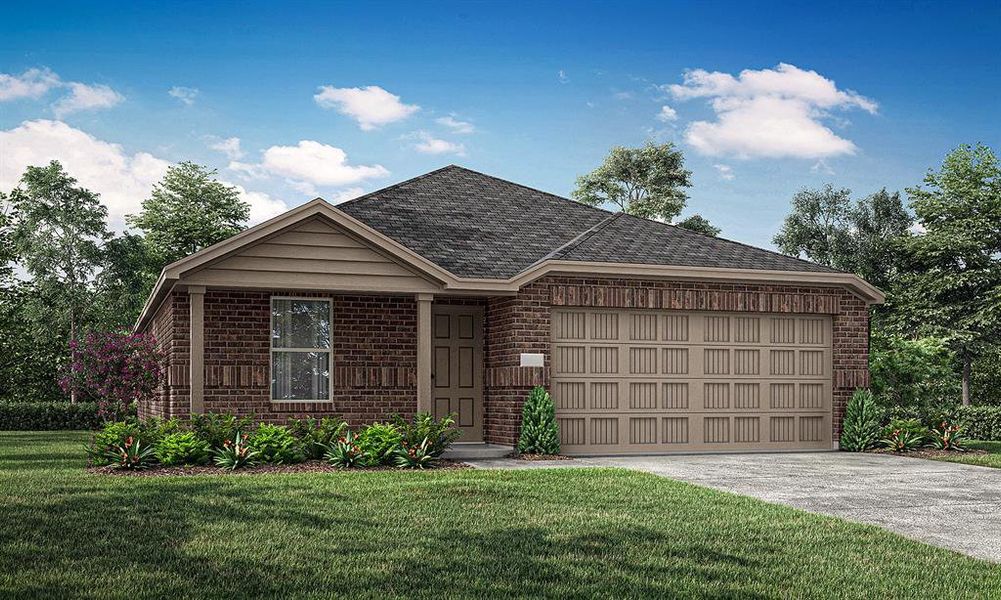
x,y
300,349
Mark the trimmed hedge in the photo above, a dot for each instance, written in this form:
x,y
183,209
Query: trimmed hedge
x,y
981,422
48,416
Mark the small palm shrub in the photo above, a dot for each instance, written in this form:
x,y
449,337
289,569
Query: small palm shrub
x,y
539,431
275,445
905,435
345,453
216,428
439,433
132,454
235,453
860,427
182,448
316,435
420,456
115,433
378,441
948,437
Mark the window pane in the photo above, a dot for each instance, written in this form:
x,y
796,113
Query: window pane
x,y
300,324
300,376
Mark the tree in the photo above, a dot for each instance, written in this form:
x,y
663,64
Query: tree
x,y
187,211
647,182
128,274
953,269
7,251
58,239
861,237
699,224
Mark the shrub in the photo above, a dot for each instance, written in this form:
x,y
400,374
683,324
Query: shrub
x,y
131,454
316,436
948,437
860,428
378,441
904,436
407,456
235,453
539,432
182,448
345,453
48,416
439,433
275,445
912,372
980,422
116,370
216,428
115,433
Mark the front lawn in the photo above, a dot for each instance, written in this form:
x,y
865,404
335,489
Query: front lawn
x,y
65,532
991,459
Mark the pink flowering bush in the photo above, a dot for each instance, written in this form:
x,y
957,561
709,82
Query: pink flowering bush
x,y
116,370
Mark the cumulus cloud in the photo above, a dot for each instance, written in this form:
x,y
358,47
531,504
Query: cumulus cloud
x,y
33,83
318,164
457,126
86,97
667,114
428,144
186,95
229,146
725,171
262,206
370,106
122,179
772,113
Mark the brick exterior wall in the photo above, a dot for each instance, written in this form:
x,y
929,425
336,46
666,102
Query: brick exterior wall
x,y
522,324
170,330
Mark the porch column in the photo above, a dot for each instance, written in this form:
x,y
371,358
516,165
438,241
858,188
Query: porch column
x,y
424,352
196,360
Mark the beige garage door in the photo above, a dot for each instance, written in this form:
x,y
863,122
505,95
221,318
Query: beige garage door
x,y
646,381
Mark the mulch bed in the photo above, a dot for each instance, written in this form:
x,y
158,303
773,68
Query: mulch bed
x,y
535,457
927,452
310,466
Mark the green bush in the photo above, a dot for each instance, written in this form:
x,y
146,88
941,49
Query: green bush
x,y
539,431
912,372
414,457
904,436
439,433
378,442
216,428
276,445
133,454
948,436
182,448
860,428
48,416
316,435
980,422
116,433
345,453
235,453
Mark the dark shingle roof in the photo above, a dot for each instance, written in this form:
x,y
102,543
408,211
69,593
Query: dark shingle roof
x,y
475,225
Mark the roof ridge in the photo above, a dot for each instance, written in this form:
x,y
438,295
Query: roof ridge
x,y
580,239
396,185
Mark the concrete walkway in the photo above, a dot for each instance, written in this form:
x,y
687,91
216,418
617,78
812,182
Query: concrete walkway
x,y
945,504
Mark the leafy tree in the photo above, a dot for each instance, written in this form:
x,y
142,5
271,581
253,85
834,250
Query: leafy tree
x,y
7,252
34,345
126,279
539,432
58,239
187,211
699,224
912,373
878,225
953,270
647,182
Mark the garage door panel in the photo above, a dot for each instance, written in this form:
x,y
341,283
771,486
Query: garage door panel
x,y
634,381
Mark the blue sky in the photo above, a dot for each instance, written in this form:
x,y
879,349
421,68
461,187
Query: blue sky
x,y
335,99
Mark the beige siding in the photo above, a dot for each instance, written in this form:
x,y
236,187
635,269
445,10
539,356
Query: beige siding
x,y
312,255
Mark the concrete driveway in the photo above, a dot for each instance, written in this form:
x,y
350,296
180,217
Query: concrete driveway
x,y
949,505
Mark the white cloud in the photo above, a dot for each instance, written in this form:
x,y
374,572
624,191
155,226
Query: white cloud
x,y
229,146
769,113
371,106
428,144
457,126
262,206
821,166
345,195
33,83
667,114
123,180
318,164
86,97
623,95
725,172
186,95
562,77
247,170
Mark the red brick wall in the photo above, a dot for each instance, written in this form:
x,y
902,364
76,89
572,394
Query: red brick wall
x,y
170,329
522,324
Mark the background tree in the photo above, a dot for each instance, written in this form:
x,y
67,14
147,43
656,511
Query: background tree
x,y
648,182
187,211
126,279
952,276
699,224
58,238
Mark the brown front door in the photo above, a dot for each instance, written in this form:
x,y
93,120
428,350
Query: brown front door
x,y
457,367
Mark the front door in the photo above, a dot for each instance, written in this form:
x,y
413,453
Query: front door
x,y
457,367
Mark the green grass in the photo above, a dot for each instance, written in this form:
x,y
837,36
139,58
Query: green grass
x,y
981,460
539,533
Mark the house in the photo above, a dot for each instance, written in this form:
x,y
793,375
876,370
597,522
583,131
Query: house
x,y
456,292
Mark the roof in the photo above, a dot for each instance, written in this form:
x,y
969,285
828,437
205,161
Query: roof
x,y
478,226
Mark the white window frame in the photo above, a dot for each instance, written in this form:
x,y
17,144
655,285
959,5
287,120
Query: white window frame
x,y
329,350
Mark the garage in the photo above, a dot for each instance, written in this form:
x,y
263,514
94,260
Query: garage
x,y
641,381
